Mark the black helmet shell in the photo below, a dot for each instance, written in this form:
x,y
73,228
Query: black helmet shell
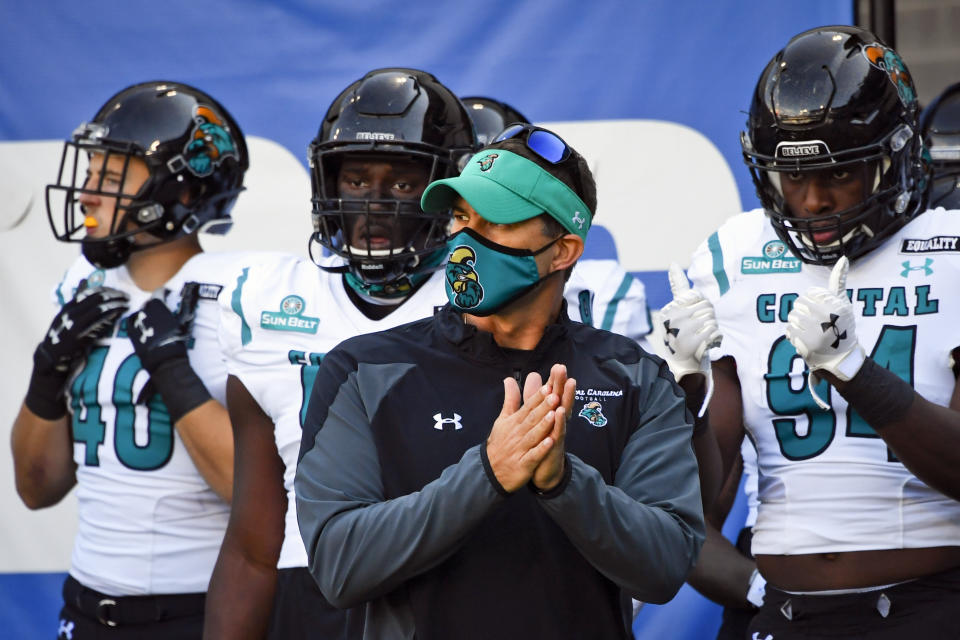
x,y
837,96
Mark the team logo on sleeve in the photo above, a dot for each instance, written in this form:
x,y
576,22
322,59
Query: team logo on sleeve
x,y
290,317
463,278
773,260
592,412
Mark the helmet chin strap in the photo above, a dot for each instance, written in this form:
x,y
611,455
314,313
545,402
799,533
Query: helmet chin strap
x,y
395,292
376,253
836,244
107,254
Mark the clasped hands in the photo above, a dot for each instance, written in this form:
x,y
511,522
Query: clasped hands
x,y
527,440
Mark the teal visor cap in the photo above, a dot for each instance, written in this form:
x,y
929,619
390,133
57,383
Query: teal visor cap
x,y
504,188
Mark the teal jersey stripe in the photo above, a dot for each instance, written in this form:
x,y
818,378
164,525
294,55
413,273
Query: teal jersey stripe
x,y
713,243
245,335
59,291
611,311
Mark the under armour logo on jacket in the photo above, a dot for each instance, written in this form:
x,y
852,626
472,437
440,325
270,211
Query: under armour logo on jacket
x,y
440,421
825,326
756,636
66,629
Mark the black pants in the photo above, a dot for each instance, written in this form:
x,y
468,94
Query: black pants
x,y
300,611
926,609
90,615
736,621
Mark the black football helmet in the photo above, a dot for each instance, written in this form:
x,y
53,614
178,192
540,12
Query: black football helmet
x,y
940,123
837,98
490,117
193,148
393,113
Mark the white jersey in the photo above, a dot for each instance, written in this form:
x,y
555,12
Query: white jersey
x,y
280,316
827,482
148,521
600,293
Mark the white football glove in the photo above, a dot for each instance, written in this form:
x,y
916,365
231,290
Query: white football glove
x,y
823,330
684,330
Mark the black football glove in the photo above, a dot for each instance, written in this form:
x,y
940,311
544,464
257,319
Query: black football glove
x,y
160,339
89,316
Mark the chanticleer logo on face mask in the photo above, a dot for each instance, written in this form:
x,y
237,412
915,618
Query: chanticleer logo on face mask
x,y
484,277
463,279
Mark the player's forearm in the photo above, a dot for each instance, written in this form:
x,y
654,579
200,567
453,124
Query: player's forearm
x,y
709,464
208,437
240,597
722,573
924,436
927,442
44,470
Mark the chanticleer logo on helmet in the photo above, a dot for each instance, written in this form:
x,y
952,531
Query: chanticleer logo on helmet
x,y
209,145
886,59
463,278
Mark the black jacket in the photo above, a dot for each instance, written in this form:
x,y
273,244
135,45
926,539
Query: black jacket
x,y
398,506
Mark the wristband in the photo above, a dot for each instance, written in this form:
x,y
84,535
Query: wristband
x,y
757,589
878,395
179,386
45,394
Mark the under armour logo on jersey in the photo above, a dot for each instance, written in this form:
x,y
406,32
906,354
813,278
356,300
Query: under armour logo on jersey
x,y
832,325
145,331
440,421
578,220
925,267
668,331
66,629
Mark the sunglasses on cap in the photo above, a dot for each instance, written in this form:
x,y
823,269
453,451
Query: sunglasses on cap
x,y
543,142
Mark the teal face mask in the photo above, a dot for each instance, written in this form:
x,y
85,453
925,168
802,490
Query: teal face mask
x,y
483,276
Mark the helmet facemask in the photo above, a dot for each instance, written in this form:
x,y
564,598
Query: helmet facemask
x,y
110,167
889,196
383,240
193,151
836,100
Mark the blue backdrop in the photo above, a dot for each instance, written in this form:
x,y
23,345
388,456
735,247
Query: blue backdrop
x,y
277,66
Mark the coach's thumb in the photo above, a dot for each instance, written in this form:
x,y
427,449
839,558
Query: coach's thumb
x,y
838,277
678,280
